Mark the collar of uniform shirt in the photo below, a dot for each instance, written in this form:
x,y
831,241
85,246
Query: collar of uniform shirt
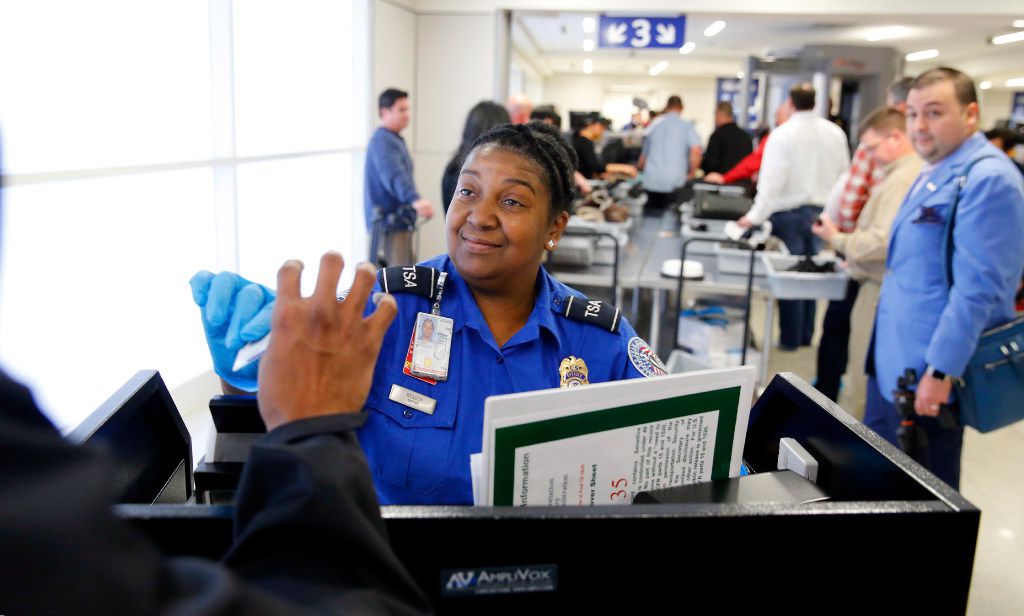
x,y
460,306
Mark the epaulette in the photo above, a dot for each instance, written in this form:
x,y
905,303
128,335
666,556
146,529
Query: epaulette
x,y
409,279
591,311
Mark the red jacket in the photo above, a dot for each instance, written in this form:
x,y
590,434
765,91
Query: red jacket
x,y
747,167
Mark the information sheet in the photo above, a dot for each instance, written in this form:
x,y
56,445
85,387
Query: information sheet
x,y
601,444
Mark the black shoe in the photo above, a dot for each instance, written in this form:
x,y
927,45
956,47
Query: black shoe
x,y
808,266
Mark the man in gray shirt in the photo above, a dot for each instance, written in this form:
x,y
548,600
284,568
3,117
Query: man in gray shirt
x,y
670,155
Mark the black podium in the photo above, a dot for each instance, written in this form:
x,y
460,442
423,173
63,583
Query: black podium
x,y
891,538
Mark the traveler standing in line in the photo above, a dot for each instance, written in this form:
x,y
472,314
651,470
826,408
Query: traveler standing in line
x,y
390,199
802,161
924,320
728,144
883,137
670,156
865,172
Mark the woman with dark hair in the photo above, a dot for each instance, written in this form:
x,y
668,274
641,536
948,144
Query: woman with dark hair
x,y
503,325
484,116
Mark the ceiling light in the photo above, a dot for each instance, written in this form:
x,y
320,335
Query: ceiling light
x,y
687,48
588,66
1016,82
658,68
740,74
589,24
1012,37
1018,23
889,32
984,85
922,55
588,45
714,28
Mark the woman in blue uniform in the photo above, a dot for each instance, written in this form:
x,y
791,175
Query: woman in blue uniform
x,y
502,324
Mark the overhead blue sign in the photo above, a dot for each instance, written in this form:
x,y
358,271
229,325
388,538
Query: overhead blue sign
x,y
728,89
642,32
1017,112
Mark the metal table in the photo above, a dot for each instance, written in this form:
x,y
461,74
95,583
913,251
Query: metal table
x,y
714,283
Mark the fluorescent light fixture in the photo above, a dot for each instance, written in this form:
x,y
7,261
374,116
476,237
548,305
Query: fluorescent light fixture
x,y
714,28
588,66
1013,37
589,24
1016,82
658,68
1018,23
984,85
588,45
922,55
889,32
740,74
687,47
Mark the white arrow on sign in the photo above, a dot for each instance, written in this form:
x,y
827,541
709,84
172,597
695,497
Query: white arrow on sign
x,y
666,34
616,34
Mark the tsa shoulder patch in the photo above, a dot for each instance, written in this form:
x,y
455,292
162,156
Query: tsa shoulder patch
x,y
591,311
644,359
409,279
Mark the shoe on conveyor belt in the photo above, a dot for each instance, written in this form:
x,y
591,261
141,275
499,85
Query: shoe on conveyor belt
x,y
808,266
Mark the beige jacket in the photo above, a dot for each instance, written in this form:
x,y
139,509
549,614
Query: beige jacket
x,y
866,247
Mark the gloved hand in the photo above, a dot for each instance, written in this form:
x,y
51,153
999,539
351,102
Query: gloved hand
x,y
235,312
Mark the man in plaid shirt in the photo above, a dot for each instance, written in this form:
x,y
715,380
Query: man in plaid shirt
x,y
834,348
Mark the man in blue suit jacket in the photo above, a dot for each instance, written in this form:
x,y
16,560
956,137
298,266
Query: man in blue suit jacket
x,y
921,322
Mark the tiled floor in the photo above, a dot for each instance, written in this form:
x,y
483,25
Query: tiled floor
x,y
990,479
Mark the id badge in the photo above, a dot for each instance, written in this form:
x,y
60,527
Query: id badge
x,y
432,346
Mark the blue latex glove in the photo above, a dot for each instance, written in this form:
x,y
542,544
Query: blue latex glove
x,y
235,312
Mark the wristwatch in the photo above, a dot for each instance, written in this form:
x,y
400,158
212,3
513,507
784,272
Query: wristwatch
x,y
938,374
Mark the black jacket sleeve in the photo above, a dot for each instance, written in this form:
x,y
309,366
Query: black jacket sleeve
x,y
309,538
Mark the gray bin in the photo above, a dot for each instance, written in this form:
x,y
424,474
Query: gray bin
x,y
803,285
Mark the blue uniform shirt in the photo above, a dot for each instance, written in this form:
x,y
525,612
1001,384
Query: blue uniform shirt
x,y
420,458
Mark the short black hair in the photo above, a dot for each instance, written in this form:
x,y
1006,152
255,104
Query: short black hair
x,y
724,108
543,145
802,95
674,101
546,112
1010,138
389,97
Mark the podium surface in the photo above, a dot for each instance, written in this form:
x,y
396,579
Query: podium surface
x,y
891,537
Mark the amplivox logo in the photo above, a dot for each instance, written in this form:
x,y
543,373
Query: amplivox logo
x,y
499,580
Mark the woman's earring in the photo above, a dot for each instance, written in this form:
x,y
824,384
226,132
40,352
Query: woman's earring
x,y
551,244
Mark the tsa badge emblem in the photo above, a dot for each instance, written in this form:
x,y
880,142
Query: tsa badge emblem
x,y
644,359
574,372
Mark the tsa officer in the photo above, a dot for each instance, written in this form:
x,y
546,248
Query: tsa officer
x,y
500,323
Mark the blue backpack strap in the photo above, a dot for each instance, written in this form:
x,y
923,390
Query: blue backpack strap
x,y
947,245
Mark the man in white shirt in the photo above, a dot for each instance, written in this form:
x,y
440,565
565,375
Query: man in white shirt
x,y
801,163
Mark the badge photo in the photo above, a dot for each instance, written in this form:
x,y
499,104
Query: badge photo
x,y
431,347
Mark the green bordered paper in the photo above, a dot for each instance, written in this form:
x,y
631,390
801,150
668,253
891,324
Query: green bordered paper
x,y
600,444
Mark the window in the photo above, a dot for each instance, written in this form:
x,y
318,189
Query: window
x,y
146,141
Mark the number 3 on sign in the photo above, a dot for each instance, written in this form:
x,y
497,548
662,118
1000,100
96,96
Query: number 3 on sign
x,y
641,32
621,494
